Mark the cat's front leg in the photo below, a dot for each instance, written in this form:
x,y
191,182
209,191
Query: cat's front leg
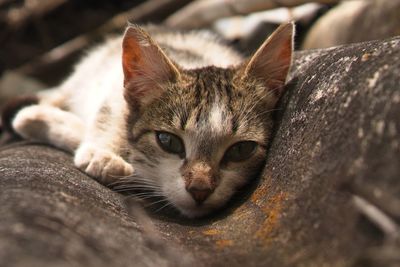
x,y
101,163
101,151
49,125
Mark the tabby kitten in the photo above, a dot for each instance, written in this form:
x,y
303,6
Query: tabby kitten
x,y
185,116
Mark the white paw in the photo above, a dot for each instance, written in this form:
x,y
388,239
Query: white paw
x,y
104,165
30,122
50,125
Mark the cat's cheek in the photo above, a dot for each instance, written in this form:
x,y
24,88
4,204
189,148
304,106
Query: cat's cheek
x,y
219,198
232,180
172,183
222,194
176,193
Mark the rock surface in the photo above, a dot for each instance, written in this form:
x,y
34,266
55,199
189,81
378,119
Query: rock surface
x,y
355,21
13,84
335,152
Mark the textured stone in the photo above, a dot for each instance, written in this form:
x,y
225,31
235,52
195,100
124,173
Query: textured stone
x,y
355,21
13,84
54,215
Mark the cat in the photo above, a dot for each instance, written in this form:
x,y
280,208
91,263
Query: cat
x,y
181,114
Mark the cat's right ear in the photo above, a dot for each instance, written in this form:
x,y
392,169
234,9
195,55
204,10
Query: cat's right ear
x,y
146,67
271,62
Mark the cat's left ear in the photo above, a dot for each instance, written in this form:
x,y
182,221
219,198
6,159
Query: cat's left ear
x,y
146,67
271,63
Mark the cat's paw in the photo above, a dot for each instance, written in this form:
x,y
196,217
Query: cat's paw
x,y
30,122
49,125
104,165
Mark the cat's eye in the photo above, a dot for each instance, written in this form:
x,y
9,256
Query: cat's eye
x,y
240,151
170,143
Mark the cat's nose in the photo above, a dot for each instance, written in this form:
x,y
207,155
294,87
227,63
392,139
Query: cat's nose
x,y
199,194
200,189
200,181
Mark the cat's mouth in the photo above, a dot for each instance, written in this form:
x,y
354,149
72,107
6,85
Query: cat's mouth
x,y
192,209
195,212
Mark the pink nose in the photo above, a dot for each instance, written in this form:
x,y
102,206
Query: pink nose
x,y
200,181
199,194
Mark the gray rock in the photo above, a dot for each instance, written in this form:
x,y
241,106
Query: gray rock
x,y
355,21
334,158
13,84
54,215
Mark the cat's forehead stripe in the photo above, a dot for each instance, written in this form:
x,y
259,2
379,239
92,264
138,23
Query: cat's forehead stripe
x,y
211,101
215,118
209,104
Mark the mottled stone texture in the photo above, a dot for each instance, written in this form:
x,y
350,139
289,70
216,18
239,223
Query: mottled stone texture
x,y
337,137
355,21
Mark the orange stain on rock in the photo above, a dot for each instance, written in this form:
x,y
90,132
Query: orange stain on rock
x,y
223,243
365,57
272,210
259,194
211,232
241,213
262,191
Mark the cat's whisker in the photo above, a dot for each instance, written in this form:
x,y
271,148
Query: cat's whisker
x,y
121,179
133,191
133,179
250,114
142,199
141,179
150,194
136,186
153,194
117,182
119,176
139,184
174,112
256,116
164,206
130,189
249,111
145,197
156,202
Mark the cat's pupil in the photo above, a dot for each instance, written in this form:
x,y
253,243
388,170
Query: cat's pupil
x,y
170,143
240,151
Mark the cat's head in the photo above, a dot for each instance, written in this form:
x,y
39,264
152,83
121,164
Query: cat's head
x,y
199,135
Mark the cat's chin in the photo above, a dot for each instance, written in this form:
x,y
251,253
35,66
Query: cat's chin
x,y
195,212
185,204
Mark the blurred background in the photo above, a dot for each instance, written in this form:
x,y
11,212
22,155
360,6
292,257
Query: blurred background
x,y
40,40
